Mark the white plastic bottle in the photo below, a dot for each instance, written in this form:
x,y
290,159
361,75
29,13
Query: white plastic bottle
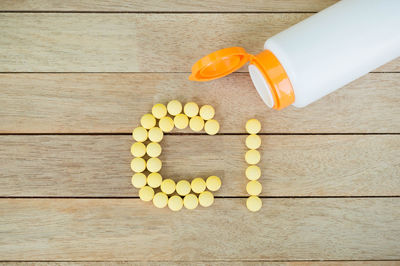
x,y
316,56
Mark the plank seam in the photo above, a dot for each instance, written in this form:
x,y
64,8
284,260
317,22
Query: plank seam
x,y
369,260
140,72
217,197
202,134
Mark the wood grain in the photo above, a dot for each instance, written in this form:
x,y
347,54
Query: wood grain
x,y
114,103
206,263
99,166
131,42
128,229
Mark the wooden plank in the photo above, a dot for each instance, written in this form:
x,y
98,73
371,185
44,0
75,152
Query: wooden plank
x,y
131,42
128,229
76,103
98,166
205,263
167,6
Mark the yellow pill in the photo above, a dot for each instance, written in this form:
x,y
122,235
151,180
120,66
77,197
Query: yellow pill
x,y
191,109
139,134
181,121
138,149
154,165
254,203
252,156
175,203
160,200
159,110
148,121
198,185
153,149
206,198
166,124
146,193
253,172
183,187
168,186
253,126
190,201
174,107
211,127
213,183
253,141
154,180
155,134
138,180
138,164
196,123
254,188
207,112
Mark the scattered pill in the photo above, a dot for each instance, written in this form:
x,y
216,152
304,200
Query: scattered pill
x,y
175,203
139,134
174,107
254,188
154,180
138,164
166,124
138,149
190,201
146,193
253,172
168,186
196,123
155,134
253,141
211,127
254,203
198,185
206,198
183,187
148,121
191,109
160,200
138,180
252,156
207,112
213,183
153,149
253,126
181,121
154,164
159,110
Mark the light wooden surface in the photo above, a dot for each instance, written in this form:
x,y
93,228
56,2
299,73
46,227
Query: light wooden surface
x,y
75,77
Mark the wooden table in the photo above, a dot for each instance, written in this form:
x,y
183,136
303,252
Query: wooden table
x,y
76,76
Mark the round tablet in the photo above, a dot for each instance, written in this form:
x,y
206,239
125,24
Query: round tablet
x,y
206,198
138,149
166,124
155,134
253,141
253,172
198,185
154,180
254,188
154,165
174,107
213,183
148,121
138,180
207,112
252,156
254,203
196,123
153,149
181,121
191,109
175,203
190,201
211,127
253,126
159,110
168,186
160,200
139,134
146,193
183,187
138,164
